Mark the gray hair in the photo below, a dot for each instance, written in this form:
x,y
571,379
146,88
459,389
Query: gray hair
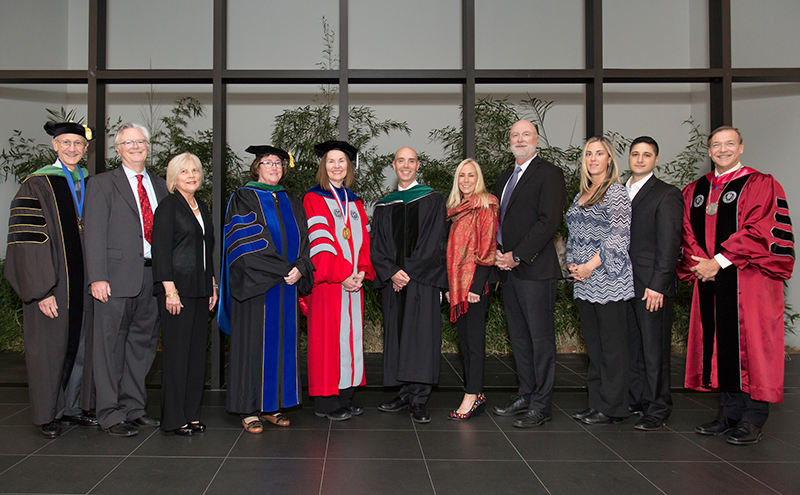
x,y
130,125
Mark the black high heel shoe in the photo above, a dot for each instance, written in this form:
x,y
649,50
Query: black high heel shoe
x,y
477,408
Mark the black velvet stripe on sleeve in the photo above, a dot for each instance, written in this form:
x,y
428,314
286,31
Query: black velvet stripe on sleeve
x,y
30,237
37,220
28,203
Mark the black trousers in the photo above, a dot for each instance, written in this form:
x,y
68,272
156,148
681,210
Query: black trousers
x,y
739,406
606,337
649,345
328,404
125,344
183,361
530,312
472,340
417,393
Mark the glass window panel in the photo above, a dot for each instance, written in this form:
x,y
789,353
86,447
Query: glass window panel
x,y
78,44
525,34
147,105
252,109
564,122
652,34
413,34
31,40
424,107
161,35
764,34
279,35
656,110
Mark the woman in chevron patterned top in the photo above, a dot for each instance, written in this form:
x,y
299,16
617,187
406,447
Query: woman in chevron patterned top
x,y
599,223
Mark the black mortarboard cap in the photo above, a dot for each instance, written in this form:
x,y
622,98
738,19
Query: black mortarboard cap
x,y
265,149
322,148
56,129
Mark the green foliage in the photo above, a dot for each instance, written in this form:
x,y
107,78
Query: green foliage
x,y
10,315
25,156
684,168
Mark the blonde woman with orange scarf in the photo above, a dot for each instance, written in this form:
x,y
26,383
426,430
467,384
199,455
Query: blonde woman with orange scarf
x,y
471,247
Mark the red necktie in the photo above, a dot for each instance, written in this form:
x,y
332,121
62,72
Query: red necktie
x,y
147,212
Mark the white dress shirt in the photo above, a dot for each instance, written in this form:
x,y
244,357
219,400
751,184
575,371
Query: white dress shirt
x,y
407,188
635,187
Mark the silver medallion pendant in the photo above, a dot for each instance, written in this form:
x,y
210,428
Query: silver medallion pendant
x,y
711,208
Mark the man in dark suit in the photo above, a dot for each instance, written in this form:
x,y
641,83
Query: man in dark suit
x,y
531,196
118,233
655,245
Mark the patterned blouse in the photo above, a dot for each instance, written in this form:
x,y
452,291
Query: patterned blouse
x,y
605,228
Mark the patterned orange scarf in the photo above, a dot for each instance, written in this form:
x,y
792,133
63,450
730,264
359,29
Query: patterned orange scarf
x,y
473,240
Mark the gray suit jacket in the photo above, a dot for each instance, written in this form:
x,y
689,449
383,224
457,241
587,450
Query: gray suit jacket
x,y
114,232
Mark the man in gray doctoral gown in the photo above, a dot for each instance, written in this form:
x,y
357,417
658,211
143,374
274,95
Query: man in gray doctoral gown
x,y
44,264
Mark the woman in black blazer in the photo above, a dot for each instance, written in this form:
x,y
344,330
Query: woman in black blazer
x,y
183,240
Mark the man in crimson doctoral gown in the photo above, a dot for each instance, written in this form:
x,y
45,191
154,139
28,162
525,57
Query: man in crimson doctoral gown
x,y
408,242
44,265
738,248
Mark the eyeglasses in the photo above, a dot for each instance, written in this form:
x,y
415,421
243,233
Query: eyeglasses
x,y
271,164
129,143
69,144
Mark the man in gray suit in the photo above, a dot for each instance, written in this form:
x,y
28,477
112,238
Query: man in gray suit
x,y
118,264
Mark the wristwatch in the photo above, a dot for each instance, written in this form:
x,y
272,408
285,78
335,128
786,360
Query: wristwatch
x,y
516,258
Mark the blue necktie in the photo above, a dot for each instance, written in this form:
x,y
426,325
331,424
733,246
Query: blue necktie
x,y
512,182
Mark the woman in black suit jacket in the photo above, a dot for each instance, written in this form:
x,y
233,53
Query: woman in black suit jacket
x,y
183,240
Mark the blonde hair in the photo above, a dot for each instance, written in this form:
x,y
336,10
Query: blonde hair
x,y
455,197
612,172
177,164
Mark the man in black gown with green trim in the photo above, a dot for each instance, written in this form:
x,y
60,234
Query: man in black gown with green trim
x,y
408,242
44,265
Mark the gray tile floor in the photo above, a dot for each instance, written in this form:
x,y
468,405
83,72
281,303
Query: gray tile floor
x,y
387,453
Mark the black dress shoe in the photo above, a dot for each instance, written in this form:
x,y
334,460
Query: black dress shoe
x,y
340,414
52,429
636,409
184,431
123,429
650,423
395,405
719,426
598,418
146,421
532,418
518,405
419,414
81,419
746,434
355,410
197,427
586,412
